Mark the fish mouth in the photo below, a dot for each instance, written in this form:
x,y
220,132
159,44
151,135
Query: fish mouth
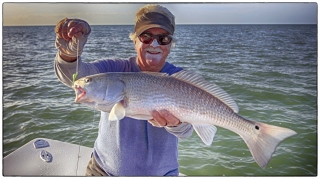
x,y
80,93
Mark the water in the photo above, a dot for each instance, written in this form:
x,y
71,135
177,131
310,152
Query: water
x,y
270,71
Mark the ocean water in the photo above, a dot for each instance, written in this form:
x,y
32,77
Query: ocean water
x,y
270,71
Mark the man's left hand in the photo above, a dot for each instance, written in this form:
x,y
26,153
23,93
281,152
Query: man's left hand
x,y
163,118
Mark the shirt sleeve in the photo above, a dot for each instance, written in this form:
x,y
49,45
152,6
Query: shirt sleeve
x,y
184,130
65,70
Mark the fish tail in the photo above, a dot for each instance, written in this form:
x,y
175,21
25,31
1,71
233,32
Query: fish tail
x,y
265,140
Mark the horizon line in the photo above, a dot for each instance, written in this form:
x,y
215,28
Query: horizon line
x,y
33,25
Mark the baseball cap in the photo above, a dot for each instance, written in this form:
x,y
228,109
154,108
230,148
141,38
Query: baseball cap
x,y
152,20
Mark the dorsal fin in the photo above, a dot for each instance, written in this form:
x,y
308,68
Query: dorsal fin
x,y
197,80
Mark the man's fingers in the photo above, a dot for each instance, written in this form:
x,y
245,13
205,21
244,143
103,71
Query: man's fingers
x,y
58,29
157,117
67,28
164,118
75,29
172,120
154,123
63,30
70,27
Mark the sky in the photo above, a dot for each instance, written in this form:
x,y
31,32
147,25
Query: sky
x,y
185,13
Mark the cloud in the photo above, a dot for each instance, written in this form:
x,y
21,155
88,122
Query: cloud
x,y
208,13
51,13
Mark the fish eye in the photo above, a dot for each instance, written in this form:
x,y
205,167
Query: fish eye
x,y
87,80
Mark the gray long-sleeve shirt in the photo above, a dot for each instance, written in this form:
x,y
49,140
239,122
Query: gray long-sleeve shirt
x,y
129,147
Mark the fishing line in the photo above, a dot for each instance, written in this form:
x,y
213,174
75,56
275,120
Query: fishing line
x,y
74,76
80,144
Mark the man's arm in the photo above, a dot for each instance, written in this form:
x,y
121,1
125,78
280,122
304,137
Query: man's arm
x,y
71,36
66,58
64,69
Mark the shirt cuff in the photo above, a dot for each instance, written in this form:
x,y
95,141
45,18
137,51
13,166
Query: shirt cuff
x,y
184,130
65,63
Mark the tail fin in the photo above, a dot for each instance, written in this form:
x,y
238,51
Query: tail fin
x,y
264,141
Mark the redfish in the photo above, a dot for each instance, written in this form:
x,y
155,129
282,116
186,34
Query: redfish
x,y
185,95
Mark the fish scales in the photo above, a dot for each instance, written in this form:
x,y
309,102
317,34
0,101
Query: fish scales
x,y
175,96
185,95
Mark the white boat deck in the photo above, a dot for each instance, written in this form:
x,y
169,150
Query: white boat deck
x,y
26,160
57,159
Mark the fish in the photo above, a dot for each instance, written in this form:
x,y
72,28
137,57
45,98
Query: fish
x,y
187,96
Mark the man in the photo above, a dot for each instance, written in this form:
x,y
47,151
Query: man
x,y
128,147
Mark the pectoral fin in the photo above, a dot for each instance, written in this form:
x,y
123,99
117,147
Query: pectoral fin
x,y
205,132
117,112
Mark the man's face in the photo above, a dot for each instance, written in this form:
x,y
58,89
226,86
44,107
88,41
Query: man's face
x,y
152,57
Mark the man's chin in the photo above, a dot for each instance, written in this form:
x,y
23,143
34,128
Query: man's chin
x,y
153,62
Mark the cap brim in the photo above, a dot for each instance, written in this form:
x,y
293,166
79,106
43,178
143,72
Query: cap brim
x,y
150,26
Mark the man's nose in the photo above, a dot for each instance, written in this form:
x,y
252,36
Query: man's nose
x,y
154,43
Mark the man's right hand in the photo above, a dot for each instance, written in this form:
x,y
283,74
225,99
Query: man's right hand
x,y
71,36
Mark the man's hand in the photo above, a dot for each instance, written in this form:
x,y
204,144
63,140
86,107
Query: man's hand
x,y
163,118
71,36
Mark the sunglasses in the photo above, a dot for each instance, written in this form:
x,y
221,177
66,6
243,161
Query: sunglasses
x,y
162,39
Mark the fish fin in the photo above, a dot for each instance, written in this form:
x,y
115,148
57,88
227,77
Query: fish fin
x,y
197,80
205,132
117,112
264,143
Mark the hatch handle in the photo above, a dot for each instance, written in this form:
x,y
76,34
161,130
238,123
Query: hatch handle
x,y
40,143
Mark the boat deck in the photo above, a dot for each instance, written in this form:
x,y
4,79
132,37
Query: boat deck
x,y
67,159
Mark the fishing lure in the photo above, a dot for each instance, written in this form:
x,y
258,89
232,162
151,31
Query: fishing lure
x,y
74,76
